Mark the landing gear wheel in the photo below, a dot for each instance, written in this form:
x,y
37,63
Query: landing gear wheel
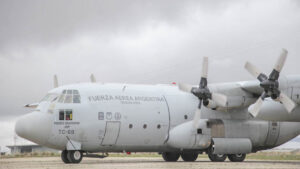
x,y
64,157
236,157
217,157
74,156
170,156
189,156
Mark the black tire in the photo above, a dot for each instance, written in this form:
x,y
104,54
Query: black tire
x,y
236,157
189,156
64,156
74,156
217,157
170,156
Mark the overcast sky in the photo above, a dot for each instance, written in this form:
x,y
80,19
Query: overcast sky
x,y
136,41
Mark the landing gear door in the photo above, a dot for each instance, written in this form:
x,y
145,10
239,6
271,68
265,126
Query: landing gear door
x,y
112,130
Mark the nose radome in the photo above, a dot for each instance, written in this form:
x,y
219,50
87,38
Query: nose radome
x,y
19,126
34,126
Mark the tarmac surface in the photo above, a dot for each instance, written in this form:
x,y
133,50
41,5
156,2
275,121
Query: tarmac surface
x,y
137,163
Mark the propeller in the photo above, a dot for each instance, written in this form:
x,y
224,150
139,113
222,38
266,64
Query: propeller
x,y
92,78
55,81
270,85
203,93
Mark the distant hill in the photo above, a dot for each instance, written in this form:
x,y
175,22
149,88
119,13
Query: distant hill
x,y
293,144
297,139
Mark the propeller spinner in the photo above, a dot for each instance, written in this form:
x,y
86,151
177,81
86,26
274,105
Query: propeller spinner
x,y
270,85
203,93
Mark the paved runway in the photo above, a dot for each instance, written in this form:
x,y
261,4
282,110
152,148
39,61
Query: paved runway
x,y
137,163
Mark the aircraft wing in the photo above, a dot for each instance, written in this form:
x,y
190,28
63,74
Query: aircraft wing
x,y
252,87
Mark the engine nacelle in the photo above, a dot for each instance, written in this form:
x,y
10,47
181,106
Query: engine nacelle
x,y
211,104
232,102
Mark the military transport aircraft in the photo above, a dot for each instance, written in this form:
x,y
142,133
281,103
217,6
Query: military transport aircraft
x,y
222,120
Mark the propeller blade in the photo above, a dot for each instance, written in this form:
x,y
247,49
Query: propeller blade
x,y
281,60
253,70
204,67
55,81
197,117
255,108
220,99
185,87
93,79
288,103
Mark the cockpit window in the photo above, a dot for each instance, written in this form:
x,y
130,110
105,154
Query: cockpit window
x,y
69,96
54,99
61,98
76,98
75,92
50,97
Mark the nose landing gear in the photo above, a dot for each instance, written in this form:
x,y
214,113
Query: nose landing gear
x,y
74,156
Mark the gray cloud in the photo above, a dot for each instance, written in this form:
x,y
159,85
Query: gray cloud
x,y
33,22
48,22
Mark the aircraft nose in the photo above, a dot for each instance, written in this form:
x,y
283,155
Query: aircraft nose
x,y
34,126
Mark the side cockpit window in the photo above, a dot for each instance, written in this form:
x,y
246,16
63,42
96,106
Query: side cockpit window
x,y
69,96
51,97
76,96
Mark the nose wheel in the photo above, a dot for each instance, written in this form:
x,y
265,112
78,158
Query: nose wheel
x,y
72,156
64,157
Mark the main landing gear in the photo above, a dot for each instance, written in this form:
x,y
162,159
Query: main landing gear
x,y
222,157
174,156
170,156
72,156
236,157
217,157
192,156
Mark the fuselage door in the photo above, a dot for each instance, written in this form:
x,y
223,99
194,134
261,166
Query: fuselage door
x,y
111,133
296,94
273,133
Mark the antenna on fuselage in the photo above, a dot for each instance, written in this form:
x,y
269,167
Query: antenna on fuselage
x,y
93,79
55,81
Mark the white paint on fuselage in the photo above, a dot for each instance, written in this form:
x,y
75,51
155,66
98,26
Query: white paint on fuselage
x,y
138,105
148,109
